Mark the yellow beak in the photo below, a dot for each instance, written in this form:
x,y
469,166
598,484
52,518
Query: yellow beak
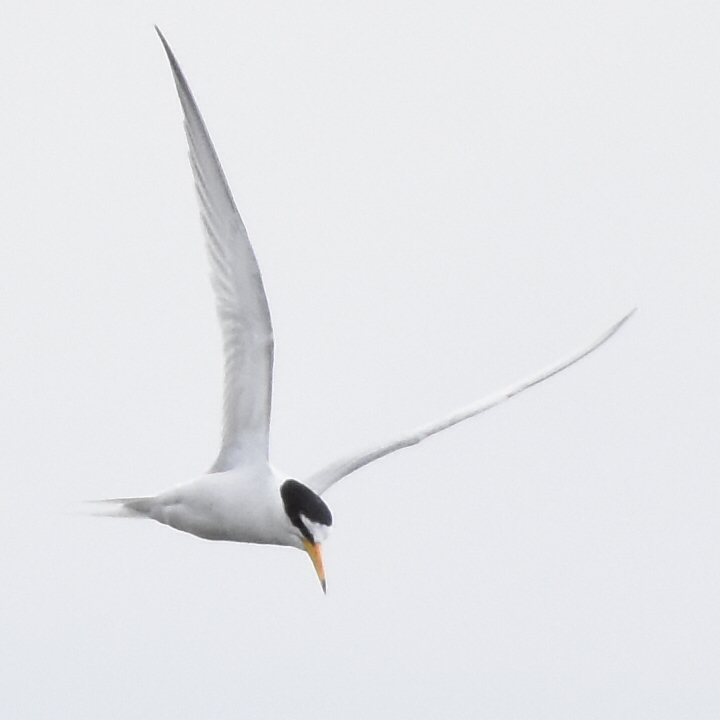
x,y
315,553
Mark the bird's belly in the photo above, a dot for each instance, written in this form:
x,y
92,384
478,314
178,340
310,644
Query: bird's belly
x,y
224,512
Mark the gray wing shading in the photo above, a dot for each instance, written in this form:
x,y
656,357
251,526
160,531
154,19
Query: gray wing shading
x,y
240,298
329,475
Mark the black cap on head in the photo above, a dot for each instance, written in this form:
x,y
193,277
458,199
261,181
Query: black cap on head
x,y
298,499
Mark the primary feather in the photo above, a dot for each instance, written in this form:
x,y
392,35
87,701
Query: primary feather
x,y
325,478
242,307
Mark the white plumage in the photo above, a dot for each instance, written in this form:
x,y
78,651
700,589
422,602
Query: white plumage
x,y
243,498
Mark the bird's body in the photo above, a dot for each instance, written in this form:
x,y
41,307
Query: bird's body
x,y
240,505
243,498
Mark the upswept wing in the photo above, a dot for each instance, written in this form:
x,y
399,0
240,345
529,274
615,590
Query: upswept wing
x,y
329,475
240,298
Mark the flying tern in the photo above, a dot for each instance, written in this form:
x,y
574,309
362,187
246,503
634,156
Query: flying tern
x,y
243,498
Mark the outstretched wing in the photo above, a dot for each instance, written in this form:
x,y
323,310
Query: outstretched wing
x,y
329,475
240,298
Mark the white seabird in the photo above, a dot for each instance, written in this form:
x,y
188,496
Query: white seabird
x,y
243,498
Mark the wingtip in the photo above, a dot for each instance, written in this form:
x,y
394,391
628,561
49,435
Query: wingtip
x,y
626,317
613,329
180,81
163,40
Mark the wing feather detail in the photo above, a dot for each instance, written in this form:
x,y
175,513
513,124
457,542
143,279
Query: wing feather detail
x,y
241,303
330,474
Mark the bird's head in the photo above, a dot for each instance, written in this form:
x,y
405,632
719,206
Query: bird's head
x,y
310,517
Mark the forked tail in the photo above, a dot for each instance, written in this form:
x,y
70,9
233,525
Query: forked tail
x,y
138,507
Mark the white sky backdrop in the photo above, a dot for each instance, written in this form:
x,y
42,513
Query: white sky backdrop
x,y
443,197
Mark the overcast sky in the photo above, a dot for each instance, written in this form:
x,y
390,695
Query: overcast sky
x,y
443,197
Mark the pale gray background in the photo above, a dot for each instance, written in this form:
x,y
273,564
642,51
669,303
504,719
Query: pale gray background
x,y
443,197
